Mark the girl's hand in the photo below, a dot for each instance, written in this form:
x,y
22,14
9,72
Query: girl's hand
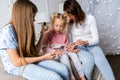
x,y
75,50
70,47
58,52
48,56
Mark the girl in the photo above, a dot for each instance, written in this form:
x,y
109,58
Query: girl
x,y
83,33
18,50
55,41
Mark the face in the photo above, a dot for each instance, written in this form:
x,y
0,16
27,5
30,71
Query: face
x,y
34,14
72,17
58,25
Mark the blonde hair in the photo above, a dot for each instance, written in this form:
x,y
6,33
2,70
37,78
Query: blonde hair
x,y
60,16
22,20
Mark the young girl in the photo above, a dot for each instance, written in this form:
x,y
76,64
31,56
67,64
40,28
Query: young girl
x,y
55,41
18,51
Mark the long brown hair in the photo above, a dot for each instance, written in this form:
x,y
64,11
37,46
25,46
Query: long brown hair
x,y
73,7
22,20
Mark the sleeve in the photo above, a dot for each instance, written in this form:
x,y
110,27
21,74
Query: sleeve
x,y
94,32
7,38
69,35
46,43
66,39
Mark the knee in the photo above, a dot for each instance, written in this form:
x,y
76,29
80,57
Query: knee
x,y
64,70
55,76
89,62
86,58
64,56
96,50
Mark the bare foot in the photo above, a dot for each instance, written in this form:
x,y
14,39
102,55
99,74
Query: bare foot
x,y
72,78
83,78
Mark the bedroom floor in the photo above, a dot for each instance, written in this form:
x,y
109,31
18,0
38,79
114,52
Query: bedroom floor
x,y
115,64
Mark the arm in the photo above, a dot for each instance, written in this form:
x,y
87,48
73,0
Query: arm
x,y
9,44
40,41
46,42
94,32
18,61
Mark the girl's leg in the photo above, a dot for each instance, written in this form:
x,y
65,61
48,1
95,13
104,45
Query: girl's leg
x,y
56,67
35,72
77,63
65,60
101,62
87,63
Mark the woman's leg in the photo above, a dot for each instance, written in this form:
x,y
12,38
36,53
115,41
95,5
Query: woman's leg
x,y
35,72
57,67
87,63
101,62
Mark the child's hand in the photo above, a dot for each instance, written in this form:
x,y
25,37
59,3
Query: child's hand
x,y
70,47
48,56
58,52
75,50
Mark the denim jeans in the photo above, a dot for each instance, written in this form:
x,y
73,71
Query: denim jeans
x,y
100,61
77,63
65,60
87,61
44,70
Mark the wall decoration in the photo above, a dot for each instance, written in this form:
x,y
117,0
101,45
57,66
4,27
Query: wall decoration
x,y
107,14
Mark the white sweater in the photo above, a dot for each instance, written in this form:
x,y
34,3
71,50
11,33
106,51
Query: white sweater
x,y
87,31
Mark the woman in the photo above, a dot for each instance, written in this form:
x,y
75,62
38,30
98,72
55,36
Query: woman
x,y
83,33
18,50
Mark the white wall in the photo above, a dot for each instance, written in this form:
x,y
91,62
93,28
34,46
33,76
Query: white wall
x,y
48,6
106,12
5,11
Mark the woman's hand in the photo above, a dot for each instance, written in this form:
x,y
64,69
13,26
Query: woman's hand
x,y
79,42
48,56
85,43
58,52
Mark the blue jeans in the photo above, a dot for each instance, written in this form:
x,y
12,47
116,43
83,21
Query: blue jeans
x,y
65,60
77,63
87,61
101,62
44,70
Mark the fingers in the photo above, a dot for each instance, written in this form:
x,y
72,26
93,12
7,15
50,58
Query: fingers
x,y
79,42
58,52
